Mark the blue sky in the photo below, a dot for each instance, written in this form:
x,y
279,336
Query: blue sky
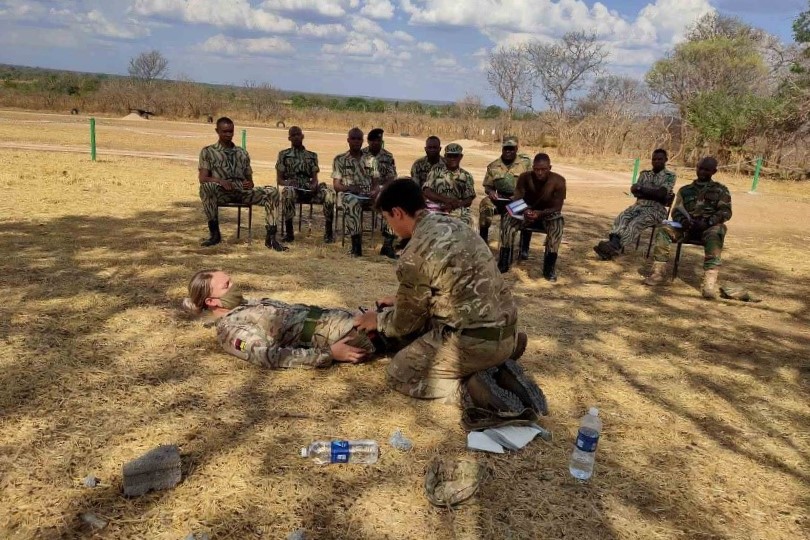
x,y
408,49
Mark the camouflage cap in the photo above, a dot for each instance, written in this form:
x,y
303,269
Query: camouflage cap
x,y
453,148
510,140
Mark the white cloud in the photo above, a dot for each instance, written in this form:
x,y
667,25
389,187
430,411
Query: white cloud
x,y
427,47
403,36
362,25
66,14
323,31
226,46
327,8
378,9
230,14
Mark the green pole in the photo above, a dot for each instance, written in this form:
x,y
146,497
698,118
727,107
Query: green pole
x,y
244,139
636,165
93,139
757,170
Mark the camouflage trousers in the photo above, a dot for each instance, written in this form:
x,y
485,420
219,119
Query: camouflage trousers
x,y
324,195
553,226
464,214
712,239
629,224
434,365
212,196
486,211
334,325
352,211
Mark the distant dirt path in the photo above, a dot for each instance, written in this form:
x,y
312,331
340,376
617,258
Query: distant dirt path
x,y
574,175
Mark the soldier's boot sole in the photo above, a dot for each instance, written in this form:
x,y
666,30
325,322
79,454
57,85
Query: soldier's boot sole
x,y
485,393
511,377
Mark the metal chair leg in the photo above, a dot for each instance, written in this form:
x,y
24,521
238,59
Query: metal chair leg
x,y
677,261
652,237
238,222
250,223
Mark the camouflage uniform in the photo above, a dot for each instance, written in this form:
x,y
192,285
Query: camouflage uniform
x,y
298,167
363,173
502,178
538,199
233,164
385,162
702,200
644,213
272,334
456,184
421,168
451,293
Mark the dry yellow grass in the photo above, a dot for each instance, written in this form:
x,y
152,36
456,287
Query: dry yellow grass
x,y
704,404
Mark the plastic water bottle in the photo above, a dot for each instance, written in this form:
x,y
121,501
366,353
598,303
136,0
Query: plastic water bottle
x,y
584,454
364,451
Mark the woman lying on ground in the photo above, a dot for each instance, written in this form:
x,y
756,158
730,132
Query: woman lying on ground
x,y
273,334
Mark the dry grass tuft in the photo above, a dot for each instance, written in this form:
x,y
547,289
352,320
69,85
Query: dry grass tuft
x,y
704,404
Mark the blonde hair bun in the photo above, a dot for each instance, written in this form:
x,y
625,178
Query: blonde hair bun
x,y
188,306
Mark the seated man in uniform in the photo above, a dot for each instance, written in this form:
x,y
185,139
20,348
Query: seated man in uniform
x,y
702,209
388,173
651,191
297,175
451,187
499,184
356,177
453,299
544,194
422,167
273,334
226,177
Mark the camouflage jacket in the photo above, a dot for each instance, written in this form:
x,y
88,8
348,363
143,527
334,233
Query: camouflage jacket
x,y
363,172
298,166
710,200
385,162
502,177
226,163
421,168
456,184
268,333
664,178
447,277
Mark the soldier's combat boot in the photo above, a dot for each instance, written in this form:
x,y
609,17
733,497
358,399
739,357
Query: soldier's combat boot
x,y
487,394
504,259
510,376
328,235
615,242
270,240
484,232
658,273
709,285
289,231
550,267
357,245
387,249
525,242
215,237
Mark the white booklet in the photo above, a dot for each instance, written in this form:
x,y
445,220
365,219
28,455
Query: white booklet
x,y
517,207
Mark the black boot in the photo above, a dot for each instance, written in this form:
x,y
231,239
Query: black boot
x,y
525,242
387,249
484,232
616,242
215,238
357,245
270,240
289,231
504,259
328,235
549,264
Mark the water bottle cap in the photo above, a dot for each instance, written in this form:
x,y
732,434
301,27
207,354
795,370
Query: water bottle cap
x,y
304,452
593,411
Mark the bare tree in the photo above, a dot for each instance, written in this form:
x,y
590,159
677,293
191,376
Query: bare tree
x,y
469,109
263,100
509,77
148,66
564,67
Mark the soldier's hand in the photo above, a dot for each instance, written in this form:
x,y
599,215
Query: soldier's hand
x,y
227,185
313,185
386,301
343,352
493,195
531,215
247,184
635,189
366,321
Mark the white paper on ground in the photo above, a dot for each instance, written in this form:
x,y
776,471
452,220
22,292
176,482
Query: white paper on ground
x,y
673,224
477,440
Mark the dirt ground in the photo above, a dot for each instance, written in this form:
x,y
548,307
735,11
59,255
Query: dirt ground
x,y
704,404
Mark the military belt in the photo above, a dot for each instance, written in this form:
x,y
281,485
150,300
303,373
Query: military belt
x,y
490,333
313,316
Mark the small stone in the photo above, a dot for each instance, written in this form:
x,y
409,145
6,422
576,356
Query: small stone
x,y
156,470
197,536
93,520
298,534
90,481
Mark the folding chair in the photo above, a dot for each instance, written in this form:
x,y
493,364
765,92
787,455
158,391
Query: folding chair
x,y
537,227
668,206
366,206
239,207
688,242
